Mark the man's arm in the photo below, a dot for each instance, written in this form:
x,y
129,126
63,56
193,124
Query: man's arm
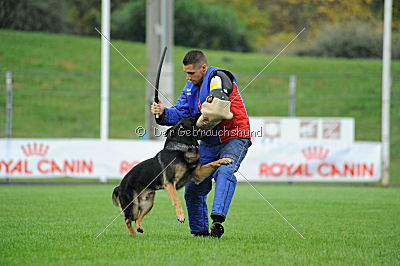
x,y
171,116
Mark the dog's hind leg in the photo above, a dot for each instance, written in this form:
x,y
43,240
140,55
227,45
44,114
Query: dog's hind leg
x,y
146,202
129,203
128,223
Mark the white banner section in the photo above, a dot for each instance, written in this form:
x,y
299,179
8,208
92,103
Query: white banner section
x,y
294,129
318,162
92,158
73,157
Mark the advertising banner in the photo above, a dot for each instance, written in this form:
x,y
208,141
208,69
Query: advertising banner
x,y
360,161
278,161
73,157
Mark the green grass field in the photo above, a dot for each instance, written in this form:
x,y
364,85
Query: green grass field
x,y
342,225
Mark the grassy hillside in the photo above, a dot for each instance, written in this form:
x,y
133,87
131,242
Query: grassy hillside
x,y
341,226
57,87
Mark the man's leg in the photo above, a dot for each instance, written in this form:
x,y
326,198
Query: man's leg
x,y
196,195
225,181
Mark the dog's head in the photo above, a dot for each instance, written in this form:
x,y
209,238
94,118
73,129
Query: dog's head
x,y
185,131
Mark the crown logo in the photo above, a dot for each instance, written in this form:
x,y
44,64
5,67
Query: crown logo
x,y
318,153
35,149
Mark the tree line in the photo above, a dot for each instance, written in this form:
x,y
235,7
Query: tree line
x,y
237,25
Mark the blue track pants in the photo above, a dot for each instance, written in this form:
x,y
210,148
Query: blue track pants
x,y
225,182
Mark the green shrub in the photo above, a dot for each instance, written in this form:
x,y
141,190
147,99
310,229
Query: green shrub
x,y
196,24
352,39
129,22
396,45
43,15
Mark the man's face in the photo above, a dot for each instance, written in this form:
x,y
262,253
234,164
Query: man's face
x,y
195,74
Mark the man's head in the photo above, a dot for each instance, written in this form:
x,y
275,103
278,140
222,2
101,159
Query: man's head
x,y
195,66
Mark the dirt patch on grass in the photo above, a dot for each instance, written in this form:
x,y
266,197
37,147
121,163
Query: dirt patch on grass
x,y
276,80
66,64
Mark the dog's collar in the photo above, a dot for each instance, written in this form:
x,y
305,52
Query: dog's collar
x,y
177,146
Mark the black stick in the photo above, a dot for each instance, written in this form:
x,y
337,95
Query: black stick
x,y
158,77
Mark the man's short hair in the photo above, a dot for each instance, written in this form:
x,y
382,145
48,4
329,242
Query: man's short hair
x,y
195,58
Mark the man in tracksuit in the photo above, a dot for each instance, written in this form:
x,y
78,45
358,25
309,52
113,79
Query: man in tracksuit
x,y
230,138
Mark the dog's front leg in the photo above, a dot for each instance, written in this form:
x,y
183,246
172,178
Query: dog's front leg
x,y
171,190
202,172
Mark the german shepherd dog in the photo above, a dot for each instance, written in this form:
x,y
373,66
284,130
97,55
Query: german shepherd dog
x,y
171,169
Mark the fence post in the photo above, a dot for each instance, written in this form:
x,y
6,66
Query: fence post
x,y
386,83
105,75
9,115
9,103
292,95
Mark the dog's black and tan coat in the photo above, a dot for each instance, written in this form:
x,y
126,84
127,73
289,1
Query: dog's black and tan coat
x,y
171,169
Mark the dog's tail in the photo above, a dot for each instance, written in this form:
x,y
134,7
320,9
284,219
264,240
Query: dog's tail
x,y
115,197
